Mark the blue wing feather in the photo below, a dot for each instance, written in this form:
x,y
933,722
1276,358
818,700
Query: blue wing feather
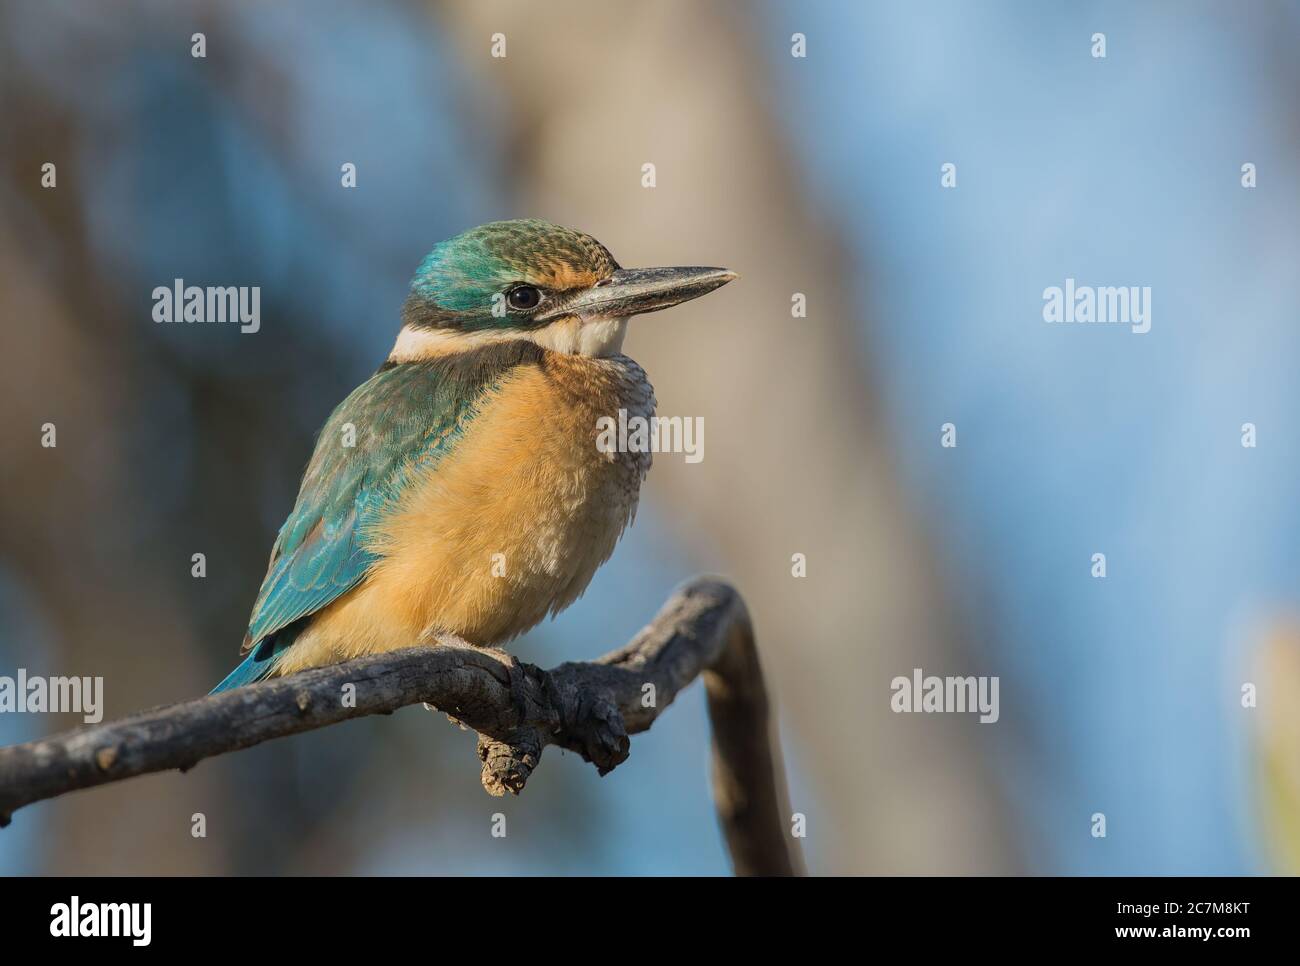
x,y
404,418
256,666
319,555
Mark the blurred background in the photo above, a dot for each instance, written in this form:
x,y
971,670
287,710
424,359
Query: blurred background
x,y
818,175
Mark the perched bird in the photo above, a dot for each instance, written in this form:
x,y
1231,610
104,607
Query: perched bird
x,y
460,489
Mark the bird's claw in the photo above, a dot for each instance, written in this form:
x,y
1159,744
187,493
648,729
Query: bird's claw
x,y
518,672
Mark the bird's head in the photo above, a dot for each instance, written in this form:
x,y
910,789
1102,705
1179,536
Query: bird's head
x,y
533,280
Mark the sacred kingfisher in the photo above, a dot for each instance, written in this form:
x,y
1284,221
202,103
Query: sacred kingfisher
x,y
460,489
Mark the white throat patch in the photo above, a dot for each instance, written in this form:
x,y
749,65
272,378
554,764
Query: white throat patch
x,y
596,338
572,336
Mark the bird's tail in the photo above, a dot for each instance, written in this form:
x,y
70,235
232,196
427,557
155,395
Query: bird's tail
x,y
259,664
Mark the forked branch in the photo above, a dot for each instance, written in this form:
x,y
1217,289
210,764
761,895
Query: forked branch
x,y
517,710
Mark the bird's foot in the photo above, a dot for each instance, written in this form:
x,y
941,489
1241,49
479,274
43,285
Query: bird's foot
x,y
517,679
508,764
519,672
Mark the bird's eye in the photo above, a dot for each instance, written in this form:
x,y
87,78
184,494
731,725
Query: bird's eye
x,y
523,297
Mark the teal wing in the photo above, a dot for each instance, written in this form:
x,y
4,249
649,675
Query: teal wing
x,y
403,419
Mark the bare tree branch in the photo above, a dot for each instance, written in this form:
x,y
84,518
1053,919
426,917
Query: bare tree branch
x,y
517,709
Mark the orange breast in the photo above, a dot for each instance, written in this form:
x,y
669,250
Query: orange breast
x,y
509,527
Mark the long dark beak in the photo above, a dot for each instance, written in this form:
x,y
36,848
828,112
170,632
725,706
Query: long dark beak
x,y
634,291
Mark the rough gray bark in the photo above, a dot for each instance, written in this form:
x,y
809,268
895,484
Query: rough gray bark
x,y
517,710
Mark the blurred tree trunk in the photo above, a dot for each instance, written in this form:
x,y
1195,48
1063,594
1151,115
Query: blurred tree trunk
x,y
796,459
68,527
